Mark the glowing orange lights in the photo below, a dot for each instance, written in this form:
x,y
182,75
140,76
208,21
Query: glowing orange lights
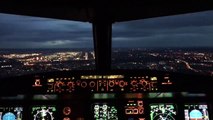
x,y
37,83
103,83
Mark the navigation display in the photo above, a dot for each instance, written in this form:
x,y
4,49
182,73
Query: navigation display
x,y
196,112
11,113
163,111
104,111
43,112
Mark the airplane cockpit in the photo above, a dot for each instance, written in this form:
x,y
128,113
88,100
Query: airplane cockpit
x,y
105,93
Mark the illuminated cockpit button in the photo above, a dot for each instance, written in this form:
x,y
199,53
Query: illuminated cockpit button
x,y
67,111
37,83
153,78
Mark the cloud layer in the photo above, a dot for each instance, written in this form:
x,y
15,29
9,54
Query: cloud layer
x,y
22,32
186,30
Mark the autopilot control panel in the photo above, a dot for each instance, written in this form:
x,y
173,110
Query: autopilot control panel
x,y
100,83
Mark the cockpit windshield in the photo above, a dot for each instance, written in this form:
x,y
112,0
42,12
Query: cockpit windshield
x,y
180,43
32,45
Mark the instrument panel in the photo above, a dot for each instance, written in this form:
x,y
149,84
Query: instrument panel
x,y
129,109
105,96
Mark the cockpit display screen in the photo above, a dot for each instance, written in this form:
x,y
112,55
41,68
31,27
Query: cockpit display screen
x,y
104,111
134,110
11,113
163,111
196,112
134,107
43,112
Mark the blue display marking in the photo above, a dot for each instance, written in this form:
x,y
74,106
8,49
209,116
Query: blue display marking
x,y
196,114
9,116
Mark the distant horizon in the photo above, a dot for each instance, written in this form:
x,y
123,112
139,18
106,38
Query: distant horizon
x,y
207,47
115,47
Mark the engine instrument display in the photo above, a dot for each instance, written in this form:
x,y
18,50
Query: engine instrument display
x,y
11,113
43,113
196,112
104,111
163,111
134,109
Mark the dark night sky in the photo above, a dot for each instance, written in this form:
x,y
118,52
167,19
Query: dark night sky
x,y
188,30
